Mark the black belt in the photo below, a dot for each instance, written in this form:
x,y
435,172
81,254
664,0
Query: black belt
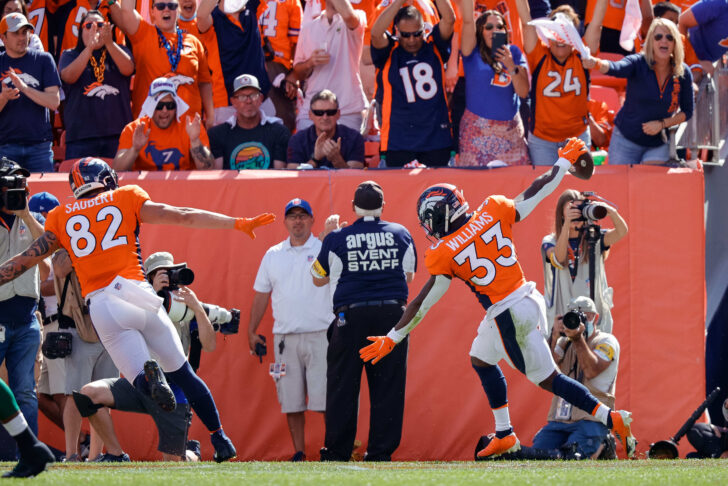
x,y
369,303
49,319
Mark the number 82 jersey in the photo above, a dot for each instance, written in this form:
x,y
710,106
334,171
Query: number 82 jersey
x,y
481,252
411,92
101,235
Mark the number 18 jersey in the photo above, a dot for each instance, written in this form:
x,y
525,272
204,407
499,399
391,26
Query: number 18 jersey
x,y
481,252
101,235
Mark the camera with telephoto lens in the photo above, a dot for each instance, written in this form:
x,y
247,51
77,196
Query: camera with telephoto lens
x,y
16,196
572,319
223,320
590,210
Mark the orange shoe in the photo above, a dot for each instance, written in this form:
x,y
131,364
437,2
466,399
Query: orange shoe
x,y
498,447
621,421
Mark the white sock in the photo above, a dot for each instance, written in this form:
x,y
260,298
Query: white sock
x,y
502,418
16,425
602,413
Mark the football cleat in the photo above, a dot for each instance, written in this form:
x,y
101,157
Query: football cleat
x,y
621,420
224,448
32,464
497,447
158,388
123,457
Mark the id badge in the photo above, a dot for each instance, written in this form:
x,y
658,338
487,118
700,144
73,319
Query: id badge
x,y
2,333
563,410
277,370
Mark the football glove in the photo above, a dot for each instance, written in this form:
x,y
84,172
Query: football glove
x,y
573,149
247,225
381,346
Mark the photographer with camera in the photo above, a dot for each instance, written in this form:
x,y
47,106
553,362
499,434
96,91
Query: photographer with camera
x,y
19,327
590,356
568,265
196,324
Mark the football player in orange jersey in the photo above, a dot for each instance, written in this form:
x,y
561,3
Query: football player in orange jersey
x,y
478,248
99,230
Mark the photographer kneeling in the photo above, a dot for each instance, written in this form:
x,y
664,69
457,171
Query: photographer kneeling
x,y
196,324
566,254
585,353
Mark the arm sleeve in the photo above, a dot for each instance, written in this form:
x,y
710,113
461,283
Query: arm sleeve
x,y
281,145
262,279
380,56
125,137
296,149
541,187
442,45
320,267
50,72
624,68
356,150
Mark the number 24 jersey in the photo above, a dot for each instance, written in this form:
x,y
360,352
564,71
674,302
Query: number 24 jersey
x,y
101,235
481,252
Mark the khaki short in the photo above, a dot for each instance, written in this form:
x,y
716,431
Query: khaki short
x,y
305,357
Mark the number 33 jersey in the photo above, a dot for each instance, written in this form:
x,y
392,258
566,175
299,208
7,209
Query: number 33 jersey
x,y
481,252
101,234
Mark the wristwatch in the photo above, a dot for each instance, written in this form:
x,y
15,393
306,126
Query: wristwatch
x,y
317,161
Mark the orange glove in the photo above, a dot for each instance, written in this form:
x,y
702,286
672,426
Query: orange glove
x,y
247,225
382,346
573,149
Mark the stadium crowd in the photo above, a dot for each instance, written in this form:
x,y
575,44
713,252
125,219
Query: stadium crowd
x,y
186,85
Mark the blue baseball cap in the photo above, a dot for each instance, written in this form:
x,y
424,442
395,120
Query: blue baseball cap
x,y
298,203
43,201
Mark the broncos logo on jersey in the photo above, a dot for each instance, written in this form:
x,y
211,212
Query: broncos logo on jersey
x,y
164,159
27,78
179,79
99,90
501,79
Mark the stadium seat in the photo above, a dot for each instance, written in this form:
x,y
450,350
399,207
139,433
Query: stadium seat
x,y
371,154
608,95
59,149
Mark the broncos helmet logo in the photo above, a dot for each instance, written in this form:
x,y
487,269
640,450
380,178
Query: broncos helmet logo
x,y
99,90
440,206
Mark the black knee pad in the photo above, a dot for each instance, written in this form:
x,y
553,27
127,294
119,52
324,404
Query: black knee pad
x,y
86,407
706,441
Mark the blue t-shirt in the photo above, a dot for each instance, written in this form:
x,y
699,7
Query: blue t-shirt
x,y
241,51
710,37
370,258
23,121
301,145
96,109
646,101
489,95
411,92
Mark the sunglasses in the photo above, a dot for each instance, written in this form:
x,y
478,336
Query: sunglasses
x,y
247,97
298,216
90,25
490,26
169,5
331,112
658,37
170,105
407,35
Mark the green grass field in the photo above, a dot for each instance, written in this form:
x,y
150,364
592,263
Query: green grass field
x,y
591,473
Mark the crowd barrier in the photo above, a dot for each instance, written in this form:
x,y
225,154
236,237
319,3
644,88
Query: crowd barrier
x,y
657,273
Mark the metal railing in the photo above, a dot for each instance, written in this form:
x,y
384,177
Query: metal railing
x,y
707,130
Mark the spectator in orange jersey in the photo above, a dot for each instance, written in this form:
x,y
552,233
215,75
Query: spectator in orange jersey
x,y
491,128
163,49
66,25
559,84
613,21
280,23
95,77
19,6
601,124
188,22
159,139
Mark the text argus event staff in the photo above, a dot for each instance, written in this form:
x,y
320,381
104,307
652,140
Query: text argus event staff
x,y
369,265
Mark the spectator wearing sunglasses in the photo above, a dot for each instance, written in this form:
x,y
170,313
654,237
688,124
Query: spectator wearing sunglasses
x,y
163,49
95,75
495,79
327,57
559,83
410,85
249,139
659,96
326,143
161,139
